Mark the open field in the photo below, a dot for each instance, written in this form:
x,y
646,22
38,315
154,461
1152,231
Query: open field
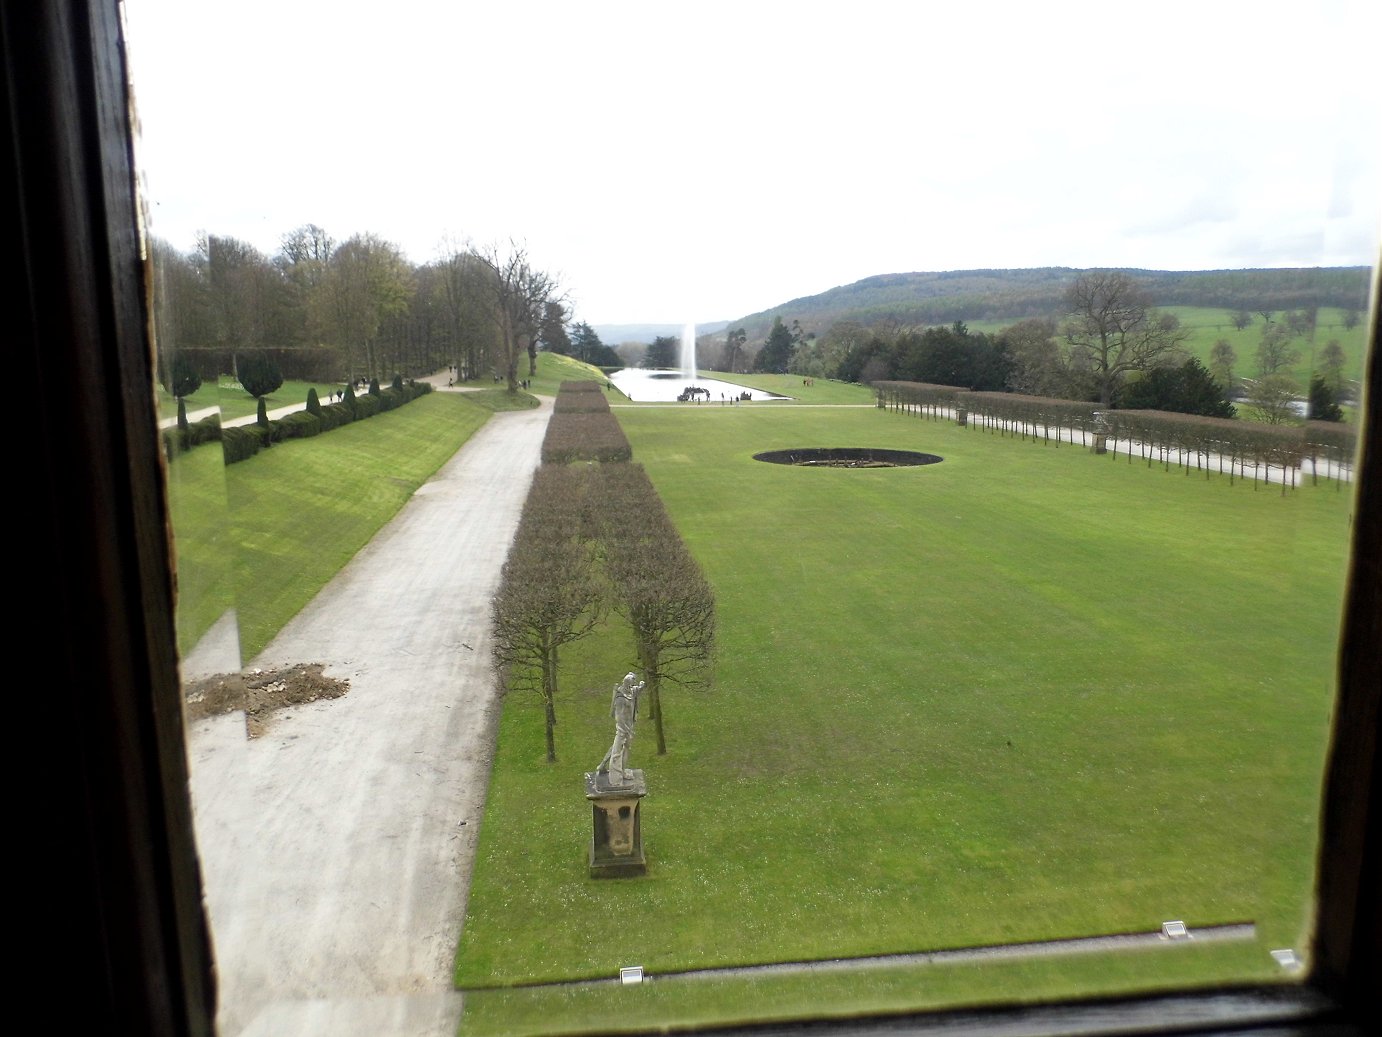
x,y
1023,694
1207,325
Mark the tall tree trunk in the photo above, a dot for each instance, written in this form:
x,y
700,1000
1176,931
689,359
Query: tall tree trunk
x,y
549,694
648,655
513,349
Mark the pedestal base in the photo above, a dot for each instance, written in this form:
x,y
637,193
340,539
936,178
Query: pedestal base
x,y
616,842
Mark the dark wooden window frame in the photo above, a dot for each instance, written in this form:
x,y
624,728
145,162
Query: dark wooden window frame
x,y
107,826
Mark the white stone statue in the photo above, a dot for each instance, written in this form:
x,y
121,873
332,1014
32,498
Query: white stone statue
x,y
624,708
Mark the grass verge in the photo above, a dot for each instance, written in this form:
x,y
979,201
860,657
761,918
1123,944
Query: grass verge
x,y
299,512
670,1005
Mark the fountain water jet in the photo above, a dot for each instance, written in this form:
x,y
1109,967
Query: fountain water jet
x,y
688,353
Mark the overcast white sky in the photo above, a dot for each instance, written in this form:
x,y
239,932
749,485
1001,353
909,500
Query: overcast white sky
x,y
705,160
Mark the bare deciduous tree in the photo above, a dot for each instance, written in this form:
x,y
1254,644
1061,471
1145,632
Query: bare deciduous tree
x,y
1331,364
549,593
1275,350
1037,366
1112,330
1273,396
1221,360
657,586
518,296
466,301
368,281
238,278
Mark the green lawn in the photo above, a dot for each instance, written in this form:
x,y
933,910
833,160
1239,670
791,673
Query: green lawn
x,y
1024,694
552,370
201,541
656,1006
236,403
823,390
300,511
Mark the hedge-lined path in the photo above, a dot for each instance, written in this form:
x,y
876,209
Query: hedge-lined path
x,y
337,846
438,382
248,419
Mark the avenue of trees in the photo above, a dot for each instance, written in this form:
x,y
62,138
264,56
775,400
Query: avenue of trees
x,y
594,537
319,309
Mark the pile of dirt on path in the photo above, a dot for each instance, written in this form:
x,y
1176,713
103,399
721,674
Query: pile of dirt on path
x,y
260,692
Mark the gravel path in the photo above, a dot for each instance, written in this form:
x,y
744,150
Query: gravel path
x,y
337,846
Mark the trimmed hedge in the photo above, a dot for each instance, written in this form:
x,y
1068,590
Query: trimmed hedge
x,y
584,436
300,425
334,415
580,400
367,406
244,441
179,440
581,405
583,428
240,442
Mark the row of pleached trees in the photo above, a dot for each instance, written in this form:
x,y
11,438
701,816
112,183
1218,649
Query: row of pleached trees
x,y
1191,440
595,542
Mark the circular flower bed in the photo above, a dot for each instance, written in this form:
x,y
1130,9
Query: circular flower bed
x,y
846,457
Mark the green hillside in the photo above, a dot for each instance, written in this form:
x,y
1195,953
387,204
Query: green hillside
x,y
943,297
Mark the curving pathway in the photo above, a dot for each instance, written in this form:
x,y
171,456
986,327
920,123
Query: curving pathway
x,y
337,846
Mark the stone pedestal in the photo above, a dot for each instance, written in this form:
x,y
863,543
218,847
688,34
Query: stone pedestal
x,y
616,843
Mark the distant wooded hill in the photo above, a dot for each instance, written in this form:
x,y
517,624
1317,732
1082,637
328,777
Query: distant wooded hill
x,y
614,334
932,298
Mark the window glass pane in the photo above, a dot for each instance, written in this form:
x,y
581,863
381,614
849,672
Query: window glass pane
x,y
1045,718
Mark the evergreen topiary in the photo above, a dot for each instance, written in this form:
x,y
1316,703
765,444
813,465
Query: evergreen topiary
x,y
349,399
1322,404
258,373
397,381
374,386
182,378
314,405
